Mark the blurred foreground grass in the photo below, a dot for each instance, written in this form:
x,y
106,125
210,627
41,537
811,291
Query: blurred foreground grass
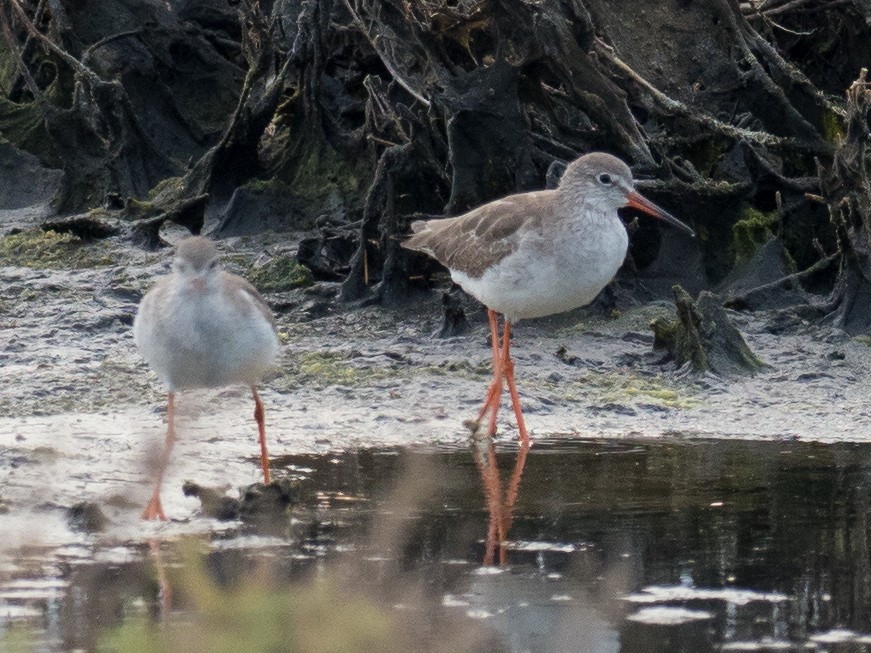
x,y
257,615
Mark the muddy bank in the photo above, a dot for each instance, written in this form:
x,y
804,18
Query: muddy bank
x,y
75,388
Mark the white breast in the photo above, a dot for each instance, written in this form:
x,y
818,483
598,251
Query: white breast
x,y
553,272
201,340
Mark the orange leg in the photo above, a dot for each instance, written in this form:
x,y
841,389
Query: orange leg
x,y
501,513
260,416
508,369
494,391
154,510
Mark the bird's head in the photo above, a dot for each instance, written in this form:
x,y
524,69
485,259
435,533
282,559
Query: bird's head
x,y
197,263
605,181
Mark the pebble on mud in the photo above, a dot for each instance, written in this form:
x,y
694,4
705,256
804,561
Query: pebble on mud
x,y
86,517
259,502
214,504
266,502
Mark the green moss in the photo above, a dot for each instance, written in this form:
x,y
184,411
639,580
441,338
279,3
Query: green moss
x,y
136,209
752,231
622,386
271,186
23,123
706,154
17,638
324,171
50,250
327,368
171,186
833,129
279,274
23,126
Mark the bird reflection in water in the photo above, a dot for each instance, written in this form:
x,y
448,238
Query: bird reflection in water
x,y
165,589
500,507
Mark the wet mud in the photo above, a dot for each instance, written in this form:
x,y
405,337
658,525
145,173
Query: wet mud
x,y
657,509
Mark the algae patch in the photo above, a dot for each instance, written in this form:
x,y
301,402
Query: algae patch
x,y
330,368
752,231
353,369
279,274
626,387
42,250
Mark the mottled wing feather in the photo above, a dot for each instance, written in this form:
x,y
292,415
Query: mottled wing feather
x,y
251,291
473,242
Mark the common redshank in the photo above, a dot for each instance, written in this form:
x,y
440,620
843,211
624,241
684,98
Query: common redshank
x,y
202,327
535,254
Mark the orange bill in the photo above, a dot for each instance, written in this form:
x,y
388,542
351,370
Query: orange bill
x,y
637,201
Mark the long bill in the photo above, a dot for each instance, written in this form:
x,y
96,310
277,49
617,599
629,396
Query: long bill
x,y
637,201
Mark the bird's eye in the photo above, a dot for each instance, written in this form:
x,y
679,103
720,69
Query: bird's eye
x,y
605,179
212,264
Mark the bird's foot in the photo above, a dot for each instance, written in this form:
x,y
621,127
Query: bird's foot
x,y
154,510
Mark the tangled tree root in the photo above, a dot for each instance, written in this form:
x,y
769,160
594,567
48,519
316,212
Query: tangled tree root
x,y
703,337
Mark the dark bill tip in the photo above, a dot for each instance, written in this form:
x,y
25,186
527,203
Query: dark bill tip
x,y
637,201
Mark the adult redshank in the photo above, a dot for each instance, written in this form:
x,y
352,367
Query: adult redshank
x,y
535,254
202,327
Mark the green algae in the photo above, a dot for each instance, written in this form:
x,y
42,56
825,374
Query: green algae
x,y
272,186
706,154
171,187
44,250
279,274
833,127
331,368
327,368
343,368
752,231
627,387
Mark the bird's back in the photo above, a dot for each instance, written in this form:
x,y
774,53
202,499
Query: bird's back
x,y
477,240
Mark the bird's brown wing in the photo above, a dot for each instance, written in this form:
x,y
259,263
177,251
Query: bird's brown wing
x,y
475,241
237,282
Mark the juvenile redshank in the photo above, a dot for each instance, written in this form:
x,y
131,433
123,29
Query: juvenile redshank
x,y
202,327
535,254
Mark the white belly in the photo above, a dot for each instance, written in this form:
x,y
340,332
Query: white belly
x,y
201,341
545,278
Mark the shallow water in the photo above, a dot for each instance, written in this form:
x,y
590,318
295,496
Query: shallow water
x,y
630,545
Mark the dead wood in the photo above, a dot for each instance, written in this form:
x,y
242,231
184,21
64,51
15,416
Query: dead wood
x,y
361,115
846,189
703,337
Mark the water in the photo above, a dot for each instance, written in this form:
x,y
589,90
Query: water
x,y
627,545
